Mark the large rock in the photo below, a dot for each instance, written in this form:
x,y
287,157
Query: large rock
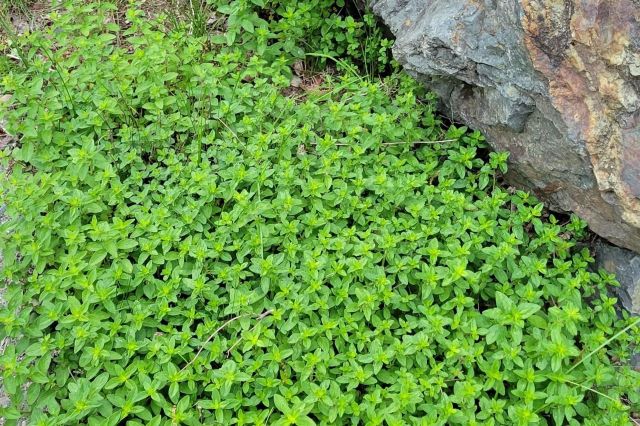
x,y
626,267
555,82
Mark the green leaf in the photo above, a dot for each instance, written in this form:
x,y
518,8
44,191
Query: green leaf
x,y
281,403
503,302
305,421
528,309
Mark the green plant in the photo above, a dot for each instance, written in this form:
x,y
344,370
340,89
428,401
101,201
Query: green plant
x,y
194,16
190,245
8,35
321,27
17,6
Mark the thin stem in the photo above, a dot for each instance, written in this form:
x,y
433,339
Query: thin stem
x,y
64,84
260,318
420,142
211,337
260,224
611,339
590,389
407,143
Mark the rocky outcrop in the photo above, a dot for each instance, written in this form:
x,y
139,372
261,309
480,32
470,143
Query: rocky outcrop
x,y
555,82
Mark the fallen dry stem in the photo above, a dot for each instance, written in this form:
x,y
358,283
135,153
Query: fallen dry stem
x,y
211,337
407,143
420,142
260,318
219,329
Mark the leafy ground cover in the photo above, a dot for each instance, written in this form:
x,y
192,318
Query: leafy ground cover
x,y
193,240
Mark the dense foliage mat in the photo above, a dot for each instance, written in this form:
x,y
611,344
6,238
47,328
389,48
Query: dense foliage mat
x,y
194,242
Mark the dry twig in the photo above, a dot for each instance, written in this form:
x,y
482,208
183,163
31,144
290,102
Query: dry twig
x,y
211,337
260,318
407,143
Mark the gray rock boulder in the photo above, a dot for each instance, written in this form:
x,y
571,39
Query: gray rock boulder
x,y
626,266
556,83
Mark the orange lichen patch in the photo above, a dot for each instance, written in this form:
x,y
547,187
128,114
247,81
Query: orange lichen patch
x,y
604,27
541,14
567,87
546,24
575,60
616,91
630,171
